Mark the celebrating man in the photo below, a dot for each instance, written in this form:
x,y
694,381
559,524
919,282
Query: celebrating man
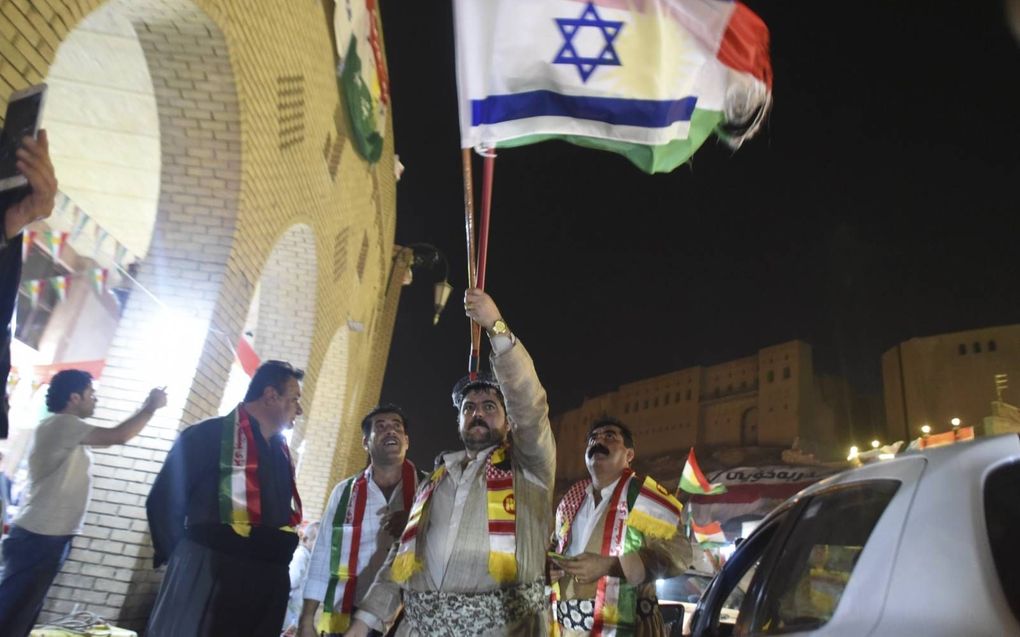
x,y
59,474
365,515
471,559
615,534
223,510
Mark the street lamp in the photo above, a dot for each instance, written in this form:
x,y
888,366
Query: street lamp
x,y
955,422
875,444
925,429
428,255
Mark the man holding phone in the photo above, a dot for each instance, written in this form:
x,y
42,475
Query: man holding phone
x,y
60,483
21,207
615,534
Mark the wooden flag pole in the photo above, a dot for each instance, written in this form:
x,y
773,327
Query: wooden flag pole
x,y
469,229
489,168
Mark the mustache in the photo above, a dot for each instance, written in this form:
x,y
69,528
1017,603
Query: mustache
x,y
598,447
478,422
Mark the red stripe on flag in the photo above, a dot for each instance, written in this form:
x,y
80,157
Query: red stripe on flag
x,y
702,481
503,527
251,477
658,497
709,529
745,45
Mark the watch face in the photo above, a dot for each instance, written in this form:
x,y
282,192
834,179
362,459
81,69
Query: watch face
x,y
499,327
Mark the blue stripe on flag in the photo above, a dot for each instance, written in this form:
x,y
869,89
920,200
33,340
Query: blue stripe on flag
x,y
611,110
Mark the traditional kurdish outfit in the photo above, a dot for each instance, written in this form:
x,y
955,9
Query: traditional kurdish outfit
x,y
639,524
472,558
223,510
352,545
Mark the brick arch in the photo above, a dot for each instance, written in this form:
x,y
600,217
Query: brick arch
x,y
179,328
286,312
331,429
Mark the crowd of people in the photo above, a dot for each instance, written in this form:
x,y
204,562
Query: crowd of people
x,y
474,547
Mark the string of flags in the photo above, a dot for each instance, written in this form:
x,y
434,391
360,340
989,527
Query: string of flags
x,y
34,288
54,241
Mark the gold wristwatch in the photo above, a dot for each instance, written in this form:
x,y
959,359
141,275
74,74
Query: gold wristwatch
x,y
499,328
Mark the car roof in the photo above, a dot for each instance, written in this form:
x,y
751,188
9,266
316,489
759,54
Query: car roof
x,y
937,551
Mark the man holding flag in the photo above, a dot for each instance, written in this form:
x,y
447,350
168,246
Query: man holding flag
x,y
471,560
615,534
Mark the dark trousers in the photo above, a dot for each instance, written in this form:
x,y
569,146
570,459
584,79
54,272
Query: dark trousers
x,y
206,593
31,561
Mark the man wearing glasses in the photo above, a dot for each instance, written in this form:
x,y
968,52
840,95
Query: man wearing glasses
x,y
223,512
614,535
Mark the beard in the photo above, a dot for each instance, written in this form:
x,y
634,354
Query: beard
x,y
476,439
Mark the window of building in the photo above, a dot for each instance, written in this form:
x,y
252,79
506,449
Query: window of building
x,y
688,394
770,376
626,408
963,349
786,373
743,384
991,346
645,406
977,347
656,404
665,399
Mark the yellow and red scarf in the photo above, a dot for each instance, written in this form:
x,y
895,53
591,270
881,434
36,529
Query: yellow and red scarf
x,y
648,510
345,542
240,492
502,516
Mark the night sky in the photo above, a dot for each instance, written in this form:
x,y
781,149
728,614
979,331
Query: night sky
x,y
879,203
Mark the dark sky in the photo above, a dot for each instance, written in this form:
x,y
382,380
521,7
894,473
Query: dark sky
x,y
880,203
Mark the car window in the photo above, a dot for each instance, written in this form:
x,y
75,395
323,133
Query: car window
x,y
725,607
1002,514
811,572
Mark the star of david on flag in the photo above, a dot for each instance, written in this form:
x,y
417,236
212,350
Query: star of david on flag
x,y
651,80
590,19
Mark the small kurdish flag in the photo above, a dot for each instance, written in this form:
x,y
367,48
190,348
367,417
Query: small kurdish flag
x,y
711,533
693,480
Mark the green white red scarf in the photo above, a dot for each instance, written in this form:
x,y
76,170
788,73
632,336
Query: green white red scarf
x,y
345,542
648,510
240,491
501,512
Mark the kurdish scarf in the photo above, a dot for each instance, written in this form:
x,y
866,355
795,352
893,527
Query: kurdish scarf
x,y
501,512
648,510
345,543
240,491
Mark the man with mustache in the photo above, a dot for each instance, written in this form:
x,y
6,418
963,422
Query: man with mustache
x,y
471,560
615,534
364,517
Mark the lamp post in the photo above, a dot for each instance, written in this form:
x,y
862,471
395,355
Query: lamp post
x,y
428,255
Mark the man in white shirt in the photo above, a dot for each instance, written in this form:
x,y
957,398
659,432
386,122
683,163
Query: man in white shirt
x,y
615,534
364,517
59,487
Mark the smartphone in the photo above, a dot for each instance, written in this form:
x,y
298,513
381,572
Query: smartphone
x,y
24,113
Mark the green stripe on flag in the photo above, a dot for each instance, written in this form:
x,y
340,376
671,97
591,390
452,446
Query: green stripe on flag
x,y
650,159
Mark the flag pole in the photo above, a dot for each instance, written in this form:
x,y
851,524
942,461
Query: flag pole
x,y
488,169
469,230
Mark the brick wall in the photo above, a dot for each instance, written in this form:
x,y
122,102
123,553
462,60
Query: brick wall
x,y
247,102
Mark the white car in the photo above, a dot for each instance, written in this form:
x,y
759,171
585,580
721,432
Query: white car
x,y
927,543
